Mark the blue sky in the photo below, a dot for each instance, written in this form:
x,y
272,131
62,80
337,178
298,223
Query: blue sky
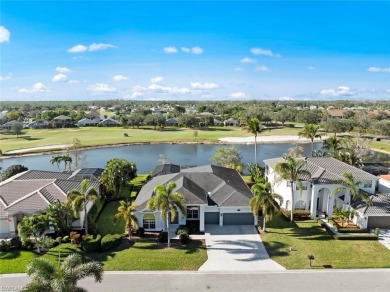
x,y
194,50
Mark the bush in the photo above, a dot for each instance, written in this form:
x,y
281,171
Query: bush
x,y
181,229
376,232
163,237
28,244
356,237
91,243
297,214
66,239
141,232
5,245
75,237
184,237
110,241
49,242
59,239
16,243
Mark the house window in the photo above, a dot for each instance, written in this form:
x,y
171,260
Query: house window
x,y
288,205
192,212
304,187
365,184
300,205
266,169
149,221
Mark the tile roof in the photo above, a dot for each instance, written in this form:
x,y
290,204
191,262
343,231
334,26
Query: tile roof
x,y
210,184
380,205
40,174
14,190
30,204
165,169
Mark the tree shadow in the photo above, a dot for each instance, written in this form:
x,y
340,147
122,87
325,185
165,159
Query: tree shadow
x,y
9,255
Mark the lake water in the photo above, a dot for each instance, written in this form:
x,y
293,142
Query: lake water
x,y
146,156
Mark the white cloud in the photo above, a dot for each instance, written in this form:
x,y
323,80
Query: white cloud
x,y
311,68
73,82
37,87
238,94
4,34
378,69
156,88
206,85
63,70
286,98
248,60
197,50
156,79
6,77
137,94
170,50
262,68
101,88
78,49
263,52
339,91
238,69
119,77
59,78
93,47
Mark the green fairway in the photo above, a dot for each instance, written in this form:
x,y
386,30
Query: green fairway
x,y
308,238
97,136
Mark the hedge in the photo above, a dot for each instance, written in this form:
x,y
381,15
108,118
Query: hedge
x,y
297,214
110,241
90,243
349,236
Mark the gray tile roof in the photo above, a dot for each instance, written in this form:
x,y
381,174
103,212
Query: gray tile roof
x,y
380,205
29,205
14,190
40,174
326,170
52,193
167,168
224,186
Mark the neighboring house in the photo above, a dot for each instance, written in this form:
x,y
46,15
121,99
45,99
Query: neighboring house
x,y
384,183
316,195
230,122
336,113
171,122
108,123
32,191
213,195
10,124
218,123
62,121
87,122
38,125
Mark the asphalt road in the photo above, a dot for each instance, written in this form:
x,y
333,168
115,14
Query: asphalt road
x,y
374,280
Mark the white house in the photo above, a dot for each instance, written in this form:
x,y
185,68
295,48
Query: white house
x,y
213,195
88,122
384,183
32,191
317,194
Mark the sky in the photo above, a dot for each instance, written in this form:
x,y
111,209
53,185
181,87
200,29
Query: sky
x,y
194,50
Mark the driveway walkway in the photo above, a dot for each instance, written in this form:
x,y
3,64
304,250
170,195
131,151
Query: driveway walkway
x,y
384,237
236,248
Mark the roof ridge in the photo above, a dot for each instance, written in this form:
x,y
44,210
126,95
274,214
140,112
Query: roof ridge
x,y
234,191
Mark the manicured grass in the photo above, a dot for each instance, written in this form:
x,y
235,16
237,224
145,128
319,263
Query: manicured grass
x,y
97,136
381,146
15,261
105,223
143,255
308,238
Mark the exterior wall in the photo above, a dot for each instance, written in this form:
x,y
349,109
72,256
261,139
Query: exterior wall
x,y
371,189
360,220
384,186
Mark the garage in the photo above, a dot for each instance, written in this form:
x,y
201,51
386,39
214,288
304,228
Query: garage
x,y
378,221
238,219
211,218
4,225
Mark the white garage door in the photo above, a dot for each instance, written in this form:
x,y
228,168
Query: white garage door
x,y
4,225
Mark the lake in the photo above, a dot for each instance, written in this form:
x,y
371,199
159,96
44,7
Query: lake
x,y
147,156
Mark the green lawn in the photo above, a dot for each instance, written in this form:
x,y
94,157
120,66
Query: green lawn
x,y
97,136
381,146
308,238
105,223
142,256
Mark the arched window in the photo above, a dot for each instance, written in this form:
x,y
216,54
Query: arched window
x,y
288,205
149,221
300,205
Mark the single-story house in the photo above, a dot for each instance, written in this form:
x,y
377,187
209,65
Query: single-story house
x,y
108,123
10,124
87,122
213,195
230,122
62,121
32,191
38,125
171,122
218,122
318,188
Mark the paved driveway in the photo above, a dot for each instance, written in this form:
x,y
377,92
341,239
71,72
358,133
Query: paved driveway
x,y
384,237
236,248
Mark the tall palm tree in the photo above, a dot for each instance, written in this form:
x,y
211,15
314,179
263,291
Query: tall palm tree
x,y
265,200
292,170
334,145
168,203
57,159
255,127
67,160
48,276
310,131
79,200
125,212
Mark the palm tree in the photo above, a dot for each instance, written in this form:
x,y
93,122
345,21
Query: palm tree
x,y
67,160
265,200
79,200
334,145
255,127
125,212
48,276
311,132
168,203
57,159
292,170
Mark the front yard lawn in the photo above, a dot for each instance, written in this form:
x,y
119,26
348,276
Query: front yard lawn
x,y
15,261
105,223
309,238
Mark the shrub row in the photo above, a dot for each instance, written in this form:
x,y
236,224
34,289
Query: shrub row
x,y
110,241
356,236
297,214
91,243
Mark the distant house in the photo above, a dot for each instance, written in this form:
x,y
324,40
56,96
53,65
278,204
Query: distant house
x,y
108,123
38,125
62,121
87,122
218,122
230,122
171,122
32,191
336,114
10,124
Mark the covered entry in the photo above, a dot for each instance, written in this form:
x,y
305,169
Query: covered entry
x,y
238,219
378,221
211,218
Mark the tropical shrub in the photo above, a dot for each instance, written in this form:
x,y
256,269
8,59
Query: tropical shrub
x,y
184,237
110,241
66,239
5,245
16,243
163,237
28,244
75,237
91,243
182,229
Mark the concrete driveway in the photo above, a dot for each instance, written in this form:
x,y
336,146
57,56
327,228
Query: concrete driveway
x,y
384,237
236,248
